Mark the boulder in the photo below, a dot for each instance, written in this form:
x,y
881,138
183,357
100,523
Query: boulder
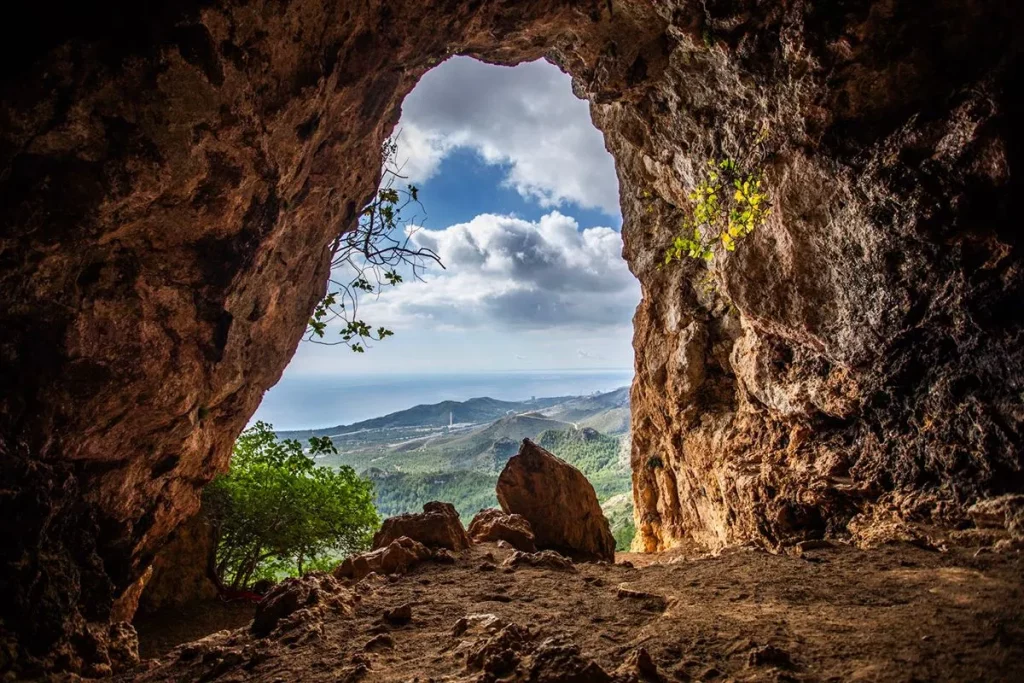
x,y
316,593
558,502
398,557
545,559
494,525
438,526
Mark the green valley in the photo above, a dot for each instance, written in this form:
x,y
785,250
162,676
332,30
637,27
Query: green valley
x,y
454,450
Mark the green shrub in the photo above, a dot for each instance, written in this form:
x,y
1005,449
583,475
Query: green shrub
x,y
729,203
276,513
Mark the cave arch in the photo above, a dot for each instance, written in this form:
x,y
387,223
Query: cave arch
x,y
169,179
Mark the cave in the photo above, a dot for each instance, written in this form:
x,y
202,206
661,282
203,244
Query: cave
x,y
171,175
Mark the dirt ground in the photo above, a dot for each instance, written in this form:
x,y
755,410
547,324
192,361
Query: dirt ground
x,y
162,631
897,613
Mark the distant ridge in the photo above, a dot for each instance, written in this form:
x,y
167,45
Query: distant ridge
x,y
474,411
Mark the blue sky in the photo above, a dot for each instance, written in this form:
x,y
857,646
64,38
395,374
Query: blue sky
x,y
522,204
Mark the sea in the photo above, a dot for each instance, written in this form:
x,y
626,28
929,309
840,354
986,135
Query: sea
x,y
310,403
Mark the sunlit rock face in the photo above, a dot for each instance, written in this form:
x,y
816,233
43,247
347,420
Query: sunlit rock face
x,y
170,179
859,357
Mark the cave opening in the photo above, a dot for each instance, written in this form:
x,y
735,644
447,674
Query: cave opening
x,y
491,254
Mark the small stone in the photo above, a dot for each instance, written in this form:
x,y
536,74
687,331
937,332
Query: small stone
x,y
651,601
460,627
399,615
640,663
354,673
813,544
769,655
443,556
486,567
379,642
547,559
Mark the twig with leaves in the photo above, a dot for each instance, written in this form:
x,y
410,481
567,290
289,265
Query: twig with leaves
x,y
372,255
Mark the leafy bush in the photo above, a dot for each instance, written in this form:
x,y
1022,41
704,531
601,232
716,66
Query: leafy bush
x,y
277,513
729,203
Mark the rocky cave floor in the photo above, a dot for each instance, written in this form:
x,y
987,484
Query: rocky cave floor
x,y
898,613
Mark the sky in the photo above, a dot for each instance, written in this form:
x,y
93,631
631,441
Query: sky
x,y
521,202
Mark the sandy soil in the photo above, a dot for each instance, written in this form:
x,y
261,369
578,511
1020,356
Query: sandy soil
x,y
897,613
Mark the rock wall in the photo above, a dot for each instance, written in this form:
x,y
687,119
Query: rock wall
x,y
172,173
857,362
180,573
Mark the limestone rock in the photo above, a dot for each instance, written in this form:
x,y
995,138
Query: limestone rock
x,y
558,502
398,557
438,526
546,559
316,591
1004,512
181,571
495,525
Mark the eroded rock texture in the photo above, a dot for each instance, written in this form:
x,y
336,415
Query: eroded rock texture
x,y
860,356
171,174
557,502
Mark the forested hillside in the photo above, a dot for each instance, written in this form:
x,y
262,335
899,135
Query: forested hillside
x,y
414,456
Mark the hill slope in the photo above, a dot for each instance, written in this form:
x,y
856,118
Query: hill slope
x,y
472,411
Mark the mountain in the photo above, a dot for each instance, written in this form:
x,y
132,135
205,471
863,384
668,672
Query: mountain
x,y
415,455
490,447
608,413
472,411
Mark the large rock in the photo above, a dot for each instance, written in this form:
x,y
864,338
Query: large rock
x,y
315,593
558,502
398,557
494,525
438,526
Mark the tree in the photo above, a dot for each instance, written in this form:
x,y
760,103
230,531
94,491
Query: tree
x,y
277,512
369,257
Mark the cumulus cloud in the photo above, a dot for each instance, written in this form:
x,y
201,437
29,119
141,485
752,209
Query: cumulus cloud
x,y
508,273
525,118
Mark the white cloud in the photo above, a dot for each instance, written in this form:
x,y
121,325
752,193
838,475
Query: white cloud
x,y
508,273
524,117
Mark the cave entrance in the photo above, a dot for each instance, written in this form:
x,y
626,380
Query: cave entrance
x,y
507,302
523,328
